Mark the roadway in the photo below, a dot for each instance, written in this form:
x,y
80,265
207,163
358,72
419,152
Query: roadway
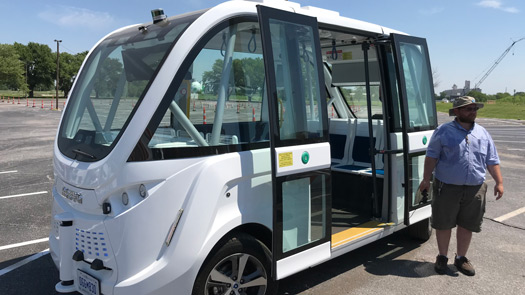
x,y
395,265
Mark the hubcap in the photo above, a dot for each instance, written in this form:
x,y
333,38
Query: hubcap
x,y
237,274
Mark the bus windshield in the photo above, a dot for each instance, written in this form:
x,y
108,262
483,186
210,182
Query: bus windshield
x,y
111,85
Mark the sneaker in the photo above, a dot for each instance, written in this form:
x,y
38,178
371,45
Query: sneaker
x,y
441,264
464,266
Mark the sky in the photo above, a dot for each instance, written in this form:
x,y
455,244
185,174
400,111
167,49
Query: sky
x,y
465,37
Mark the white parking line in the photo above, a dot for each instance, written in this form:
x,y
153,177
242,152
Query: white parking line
x,y
23,262
5,172
23,195
23,244
510,215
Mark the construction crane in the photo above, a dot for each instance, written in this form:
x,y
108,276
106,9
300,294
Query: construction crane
x,y
496,64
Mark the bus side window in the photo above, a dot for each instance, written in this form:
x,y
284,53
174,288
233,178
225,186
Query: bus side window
x,y
224,86
349,76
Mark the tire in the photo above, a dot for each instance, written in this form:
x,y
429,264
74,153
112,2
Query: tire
x,y
421,231
222,271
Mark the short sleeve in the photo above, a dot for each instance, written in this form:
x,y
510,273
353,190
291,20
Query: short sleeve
x,y
492,153
434,146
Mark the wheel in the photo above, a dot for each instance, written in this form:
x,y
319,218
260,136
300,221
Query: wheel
x,y
242,266
421,231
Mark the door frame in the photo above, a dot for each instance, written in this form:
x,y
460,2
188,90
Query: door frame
x,y
293,159
423,211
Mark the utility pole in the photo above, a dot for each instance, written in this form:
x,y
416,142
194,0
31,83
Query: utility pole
x,y
58,70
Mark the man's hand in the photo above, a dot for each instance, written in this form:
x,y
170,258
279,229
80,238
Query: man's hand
x,y
495,172
498,191
430,164
424,185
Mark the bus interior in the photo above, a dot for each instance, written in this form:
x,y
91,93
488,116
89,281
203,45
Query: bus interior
x,y
352,149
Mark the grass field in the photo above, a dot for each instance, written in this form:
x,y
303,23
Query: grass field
x,y
500,110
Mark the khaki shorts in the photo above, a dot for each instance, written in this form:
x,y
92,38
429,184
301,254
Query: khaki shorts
x,y
462,205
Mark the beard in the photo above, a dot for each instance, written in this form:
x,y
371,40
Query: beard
x,y
466,119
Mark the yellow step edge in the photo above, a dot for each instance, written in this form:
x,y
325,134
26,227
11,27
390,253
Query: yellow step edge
x,y
357,232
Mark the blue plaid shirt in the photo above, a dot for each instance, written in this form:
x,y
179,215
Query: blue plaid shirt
x,y
463,155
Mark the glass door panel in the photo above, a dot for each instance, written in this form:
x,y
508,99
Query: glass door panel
x,y
304,208
299,140
418,114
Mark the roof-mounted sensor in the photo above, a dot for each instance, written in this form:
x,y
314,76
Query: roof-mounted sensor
x,y
158,15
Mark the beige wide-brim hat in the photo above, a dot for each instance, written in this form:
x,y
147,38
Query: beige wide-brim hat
x,y
463,101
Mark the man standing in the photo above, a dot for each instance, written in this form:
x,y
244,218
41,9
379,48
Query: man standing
x,y
459,153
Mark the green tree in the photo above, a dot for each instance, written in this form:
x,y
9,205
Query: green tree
x,y
25,58
69,66
11,68
478,96
106,78
40,65
501,95
248,76
212,78
135,88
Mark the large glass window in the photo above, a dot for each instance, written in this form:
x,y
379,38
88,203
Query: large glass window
x,y
355,97
219,102
111,84
304,207
419,90
297,84
349,75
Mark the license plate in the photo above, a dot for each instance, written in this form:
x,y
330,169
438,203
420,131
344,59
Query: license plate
x,y
87,284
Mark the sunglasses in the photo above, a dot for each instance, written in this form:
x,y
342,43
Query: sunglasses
x,y
470,109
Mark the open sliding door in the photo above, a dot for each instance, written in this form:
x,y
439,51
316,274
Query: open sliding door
x,y
300,149
418,119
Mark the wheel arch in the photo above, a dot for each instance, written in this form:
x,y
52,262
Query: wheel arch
x,y
258,232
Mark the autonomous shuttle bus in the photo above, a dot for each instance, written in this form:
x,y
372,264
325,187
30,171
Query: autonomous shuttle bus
x,y
219,151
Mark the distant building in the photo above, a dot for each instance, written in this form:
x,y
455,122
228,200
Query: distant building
x,y
456,92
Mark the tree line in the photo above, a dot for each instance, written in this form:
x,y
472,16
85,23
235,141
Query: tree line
x,y
26,68
482,97
31,67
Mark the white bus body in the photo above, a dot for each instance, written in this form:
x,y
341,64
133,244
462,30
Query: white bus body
x,y
222,150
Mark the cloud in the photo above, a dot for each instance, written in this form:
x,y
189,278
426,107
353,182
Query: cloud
x,y
431,11
68,16
496,4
